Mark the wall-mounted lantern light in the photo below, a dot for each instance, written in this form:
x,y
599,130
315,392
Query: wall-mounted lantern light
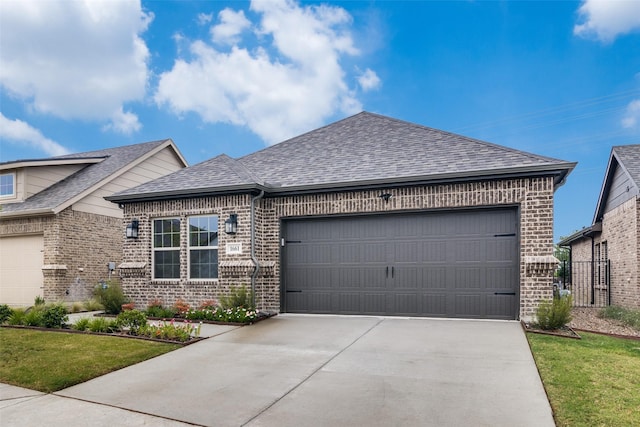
x,y
231,224
132,229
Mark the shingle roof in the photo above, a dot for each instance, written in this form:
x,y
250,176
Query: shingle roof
x,y
75,184
629,157
365,149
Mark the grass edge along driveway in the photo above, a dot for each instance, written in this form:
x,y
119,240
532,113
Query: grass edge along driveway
x,y
51,361
592,381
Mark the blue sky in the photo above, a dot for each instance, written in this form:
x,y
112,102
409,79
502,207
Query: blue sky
x,y
560,79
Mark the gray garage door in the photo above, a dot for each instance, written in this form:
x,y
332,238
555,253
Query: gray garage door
x,y
443,264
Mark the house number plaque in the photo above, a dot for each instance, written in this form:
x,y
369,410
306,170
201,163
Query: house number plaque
x,y
234,248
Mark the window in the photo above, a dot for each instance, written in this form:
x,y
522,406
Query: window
x,y
203,247
7,185
166,248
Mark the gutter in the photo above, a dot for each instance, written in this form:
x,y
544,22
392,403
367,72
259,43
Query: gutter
x,y
254,258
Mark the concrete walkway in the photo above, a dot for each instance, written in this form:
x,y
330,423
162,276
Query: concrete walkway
x,y
295,370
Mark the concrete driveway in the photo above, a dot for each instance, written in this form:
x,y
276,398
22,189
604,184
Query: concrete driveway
x,y
295,370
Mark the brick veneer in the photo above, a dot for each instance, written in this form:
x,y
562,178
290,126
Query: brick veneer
x,y
533,196
77,248
621,231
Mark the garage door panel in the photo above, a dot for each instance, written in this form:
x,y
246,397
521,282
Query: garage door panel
x,y
437,264
21,259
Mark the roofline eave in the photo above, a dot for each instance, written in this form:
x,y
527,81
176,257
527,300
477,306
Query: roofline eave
x,y
273,190
27,213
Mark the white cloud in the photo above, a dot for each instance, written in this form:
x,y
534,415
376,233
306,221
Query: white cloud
x,y
631,118
75,59
369,80
123,122
287,82
22,133
205,18
232,24
607,19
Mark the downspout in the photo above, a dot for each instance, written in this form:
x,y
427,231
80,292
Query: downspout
x,y
254,258
593,271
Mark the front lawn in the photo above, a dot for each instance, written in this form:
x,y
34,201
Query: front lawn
x,y
50,361
590,382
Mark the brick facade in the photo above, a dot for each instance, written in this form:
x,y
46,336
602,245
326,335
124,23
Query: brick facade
x,y
77,248
533,197
620,231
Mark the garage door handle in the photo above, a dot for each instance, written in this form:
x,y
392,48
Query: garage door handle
x,y
393,269
293,291
386,274
504,293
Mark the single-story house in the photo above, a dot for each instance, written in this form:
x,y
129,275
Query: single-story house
x,y
368,215
611,245
58,235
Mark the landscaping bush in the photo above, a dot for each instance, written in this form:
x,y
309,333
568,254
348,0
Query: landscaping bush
x,y
34,317
131,320
54,316
103,324
156,309
554,315
110,295
38,301
81,324
93,305
238,297
5,313
170,331
17,317
627,316
180,307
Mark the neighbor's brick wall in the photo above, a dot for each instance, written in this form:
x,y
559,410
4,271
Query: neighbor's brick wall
x,y
621,231
620,228
533,196
82,242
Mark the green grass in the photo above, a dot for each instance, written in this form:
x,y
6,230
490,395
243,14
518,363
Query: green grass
x,y
627,316
51,361
590,382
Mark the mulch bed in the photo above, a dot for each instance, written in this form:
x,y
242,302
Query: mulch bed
x,y
565,332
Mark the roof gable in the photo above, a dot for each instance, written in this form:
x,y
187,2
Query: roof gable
x,y
362,150
621,179
113,162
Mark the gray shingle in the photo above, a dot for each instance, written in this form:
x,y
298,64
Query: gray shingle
x,y
629,157
62,191
362,149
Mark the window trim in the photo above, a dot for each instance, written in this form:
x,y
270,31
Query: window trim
x,y
166,249
13,195
190,248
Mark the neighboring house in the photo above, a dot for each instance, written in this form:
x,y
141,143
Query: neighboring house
x,y
57,232
368,215
611,245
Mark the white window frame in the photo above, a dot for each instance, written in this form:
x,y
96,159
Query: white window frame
x,y
13,189
155,249
196,248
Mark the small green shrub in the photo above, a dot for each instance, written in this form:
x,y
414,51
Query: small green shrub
x,y
34,317
161,312
110,295
17,317
131,320
93,305
103,324
81,324
238,297
38,301
5,313
554,315
76,307
627,316
54,316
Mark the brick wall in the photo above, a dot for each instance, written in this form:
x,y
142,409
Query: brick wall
x,y
620,231
533,196
77,248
